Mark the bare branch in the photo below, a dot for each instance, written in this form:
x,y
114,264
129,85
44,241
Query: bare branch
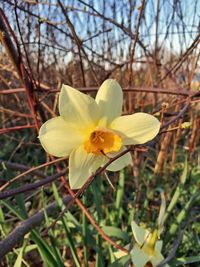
x,y
28,225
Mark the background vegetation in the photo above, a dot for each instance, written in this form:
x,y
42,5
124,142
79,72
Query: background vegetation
x,y
151,49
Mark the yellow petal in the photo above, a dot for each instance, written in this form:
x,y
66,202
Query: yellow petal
x,y
82,165
140,234
121,162
110,100
77,107
138,128
58,138
138,256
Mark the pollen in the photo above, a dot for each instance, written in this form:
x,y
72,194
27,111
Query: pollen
x,y
103,141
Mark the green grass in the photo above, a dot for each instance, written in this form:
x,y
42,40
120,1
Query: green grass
x,y
74,240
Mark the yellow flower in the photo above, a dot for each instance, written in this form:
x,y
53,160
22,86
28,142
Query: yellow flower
x,y
90,131
146,250
186,125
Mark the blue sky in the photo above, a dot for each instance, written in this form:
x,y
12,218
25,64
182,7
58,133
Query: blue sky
x,y
181,33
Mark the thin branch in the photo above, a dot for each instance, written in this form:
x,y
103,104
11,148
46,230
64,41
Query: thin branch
x,y
30,187
180,114
33,169
20,167
182,58
79,45
92,221
16,58
27,225
16,128
135,43
168,91
81,191
172,253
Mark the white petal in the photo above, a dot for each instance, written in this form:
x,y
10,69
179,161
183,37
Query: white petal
x,y
119,253
157,258
110,100
77,107
58,138
140,234
82,165
158,245
121,162
138,128
138,256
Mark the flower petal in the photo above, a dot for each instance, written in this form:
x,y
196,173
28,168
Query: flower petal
x,y
58,138
79,108
121,162
156,258
82,165
140,234
138,256
110,100
159,245
137,128
119,253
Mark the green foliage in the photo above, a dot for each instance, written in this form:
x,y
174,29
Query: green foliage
x,y
74,240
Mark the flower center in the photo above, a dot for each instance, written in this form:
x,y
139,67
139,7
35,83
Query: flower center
x,y
103,141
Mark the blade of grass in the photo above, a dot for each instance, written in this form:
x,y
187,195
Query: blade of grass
x,y
21,204
112,231
44,249
185,260
184,212
178,191
3,225
95,188
85,232
42,246
119,197
64,221
53,242
123,261
111,254
18,262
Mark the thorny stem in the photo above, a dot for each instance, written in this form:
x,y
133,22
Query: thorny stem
x,y
135,42
80,192
33,169
156,90
15,57
87,184
94,223
30,187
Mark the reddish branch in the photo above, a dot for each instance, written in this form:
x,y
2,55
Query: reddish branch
x,y
14,53
13,50
156,90
79,45
183,57
16,128
135,42
28,171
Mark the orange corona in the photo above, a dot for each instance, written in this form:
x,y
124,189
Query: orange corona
x,y
103,141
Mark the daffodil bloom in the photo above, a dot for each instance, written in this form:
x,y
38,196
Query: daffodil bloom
x,y
90,131
146,250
